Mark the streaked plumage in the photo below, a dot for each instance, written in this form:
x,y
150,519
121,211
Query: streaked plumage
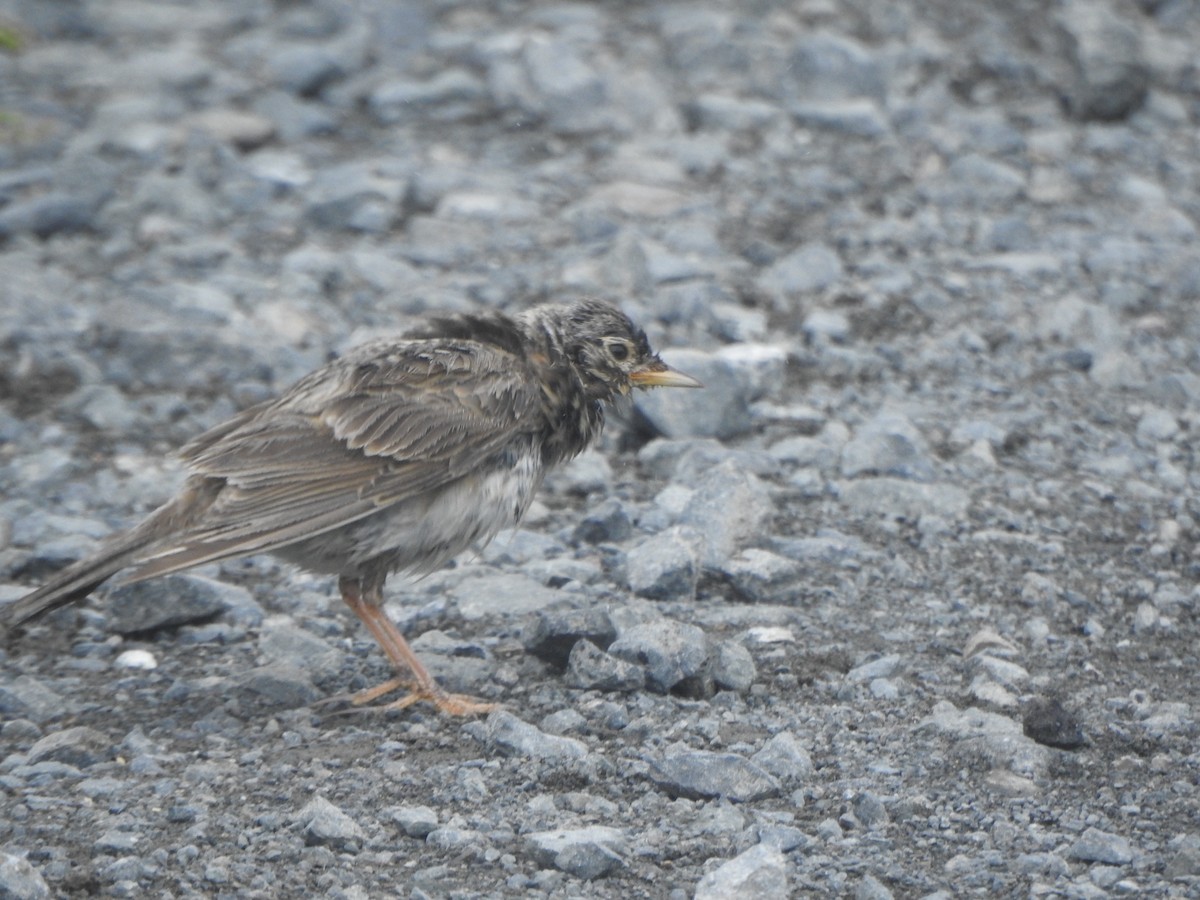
x,y
397,456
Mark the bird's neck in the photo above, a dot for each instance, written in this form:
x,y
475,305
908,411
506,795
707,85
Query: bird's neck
x,y
573,418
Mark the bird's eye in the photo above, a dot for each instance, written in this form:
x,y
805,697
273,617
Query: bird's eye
x,y
619,350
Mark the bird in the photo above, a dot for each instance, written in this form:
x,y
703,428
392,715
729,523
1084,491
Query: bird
x,y
396,456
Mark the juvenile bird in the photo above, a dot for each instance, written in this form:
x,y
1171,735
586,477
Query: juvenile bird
x,y
395,457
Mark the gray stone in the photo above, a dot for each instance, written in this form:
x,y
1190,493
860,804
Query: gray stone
x,y
456,663
793,279
883,667
358,196
664,266
738,323
275,687
976,182
1111,77
552,636
729,113
759,575
784,757
590,668
1156,425
894,498
859,117
1045,864
888,444
51,213
720,410
588,473
606,523
827,325
1096,846
871,888
1047,721
245,131
829,830
1001,671
183,813
305,69
27,697
105,407
869,810
507,734
116,840
80,747
696,459
822,451
504,594
449,96
733,667
665,566
991,738
522,547
127,871
19,880
493,207
216,871
974,430
783,838
669,504
703,775
827,548
283,642
686,461
56,553
212,633
415,821
729,508
169,601
826,66
760,873
294,118
47,771
1184,853
18,731
325,824
674,655
563,721
456,839
586,853
567,93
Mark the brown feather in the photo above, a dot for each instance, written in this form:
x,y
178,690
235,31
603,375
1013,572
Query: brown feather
x,y
399,454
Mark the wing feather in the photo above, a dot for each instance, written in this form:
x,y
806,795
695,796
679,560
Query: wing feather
x,y
389,423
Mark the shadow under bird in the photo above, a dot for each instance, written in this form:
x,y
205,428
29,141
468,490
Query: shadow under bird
x,y
395,457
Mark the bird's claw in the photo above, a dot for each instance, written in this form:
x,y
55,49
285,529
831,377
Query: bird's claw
x,y
450,704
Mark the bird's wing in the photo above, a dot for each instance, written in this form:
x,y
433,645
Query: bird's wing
x,y
366,432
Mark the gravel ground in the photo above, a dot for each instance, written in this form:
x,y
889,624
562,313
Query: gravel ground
x,y
903,605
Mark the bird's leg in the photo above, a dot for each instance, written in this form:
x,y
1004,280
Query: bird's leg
x,y
367,603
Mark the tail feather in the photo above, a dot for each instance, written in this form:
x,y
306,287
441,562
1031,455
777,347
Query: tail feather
x,y
73,583
129,549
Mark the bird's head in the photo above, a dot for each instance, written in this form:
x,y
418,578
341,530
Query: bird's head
x,y
609,353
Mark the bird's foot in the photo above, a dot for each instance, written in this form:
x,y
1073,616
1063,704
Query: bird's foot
x,y
421,686
371,694
450,704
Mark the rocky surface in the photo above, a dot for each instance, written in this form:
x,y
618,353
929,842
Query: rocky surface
x,y
903,605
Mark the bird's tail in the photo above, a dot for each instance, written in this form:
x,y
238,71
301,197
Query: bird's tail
x,y
74,582
131,548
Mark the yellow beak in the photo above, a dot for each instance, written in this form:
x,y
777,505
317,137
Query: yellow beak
x,y
657,373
